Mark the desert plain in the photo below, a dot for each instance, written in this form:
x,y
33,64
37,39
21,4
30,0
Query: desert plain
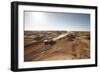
x,y
65,45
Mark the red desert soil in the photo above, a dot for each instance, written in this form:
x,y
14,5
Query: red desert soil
x,y
63,49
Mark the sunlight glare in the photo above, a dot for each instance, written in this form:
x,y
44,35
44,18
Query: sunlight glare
x,y
38,16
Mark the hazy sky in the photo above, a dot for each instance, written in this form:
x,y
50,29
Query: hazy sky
x,y
56,21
